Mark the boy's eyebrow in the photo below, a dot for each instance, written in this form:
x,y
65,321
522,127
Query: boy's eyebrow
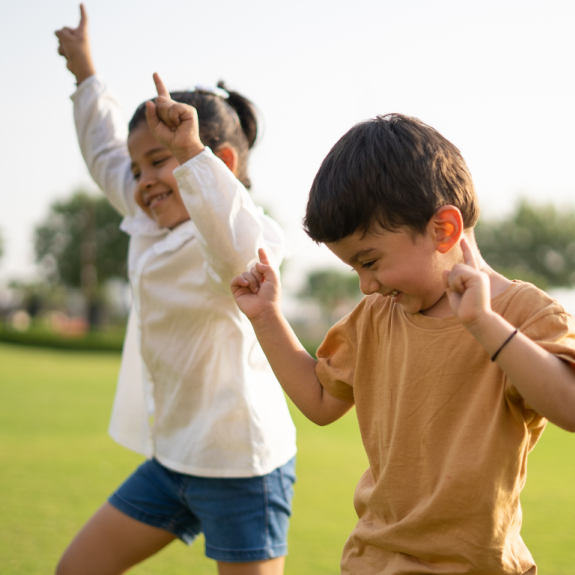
x,y
360,254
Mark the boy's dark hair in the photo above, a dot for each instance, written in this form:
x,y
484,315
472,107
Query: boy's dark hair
x,y
231,121
391,170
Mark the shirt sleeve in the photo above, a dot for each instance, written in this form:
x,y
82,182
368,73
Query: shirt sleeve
x,y
231,228
554,330
337,357
102,134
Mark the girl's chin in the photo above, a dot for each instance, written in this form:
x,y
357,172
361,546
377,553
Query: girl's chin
x,y
171,221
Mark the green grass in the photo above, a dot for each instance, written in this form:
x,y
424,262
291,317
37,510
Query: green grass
x,y
58,465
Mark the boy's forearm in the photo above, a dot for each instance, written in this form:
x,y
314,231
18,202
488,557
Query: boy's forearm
x,y
546,383
295,369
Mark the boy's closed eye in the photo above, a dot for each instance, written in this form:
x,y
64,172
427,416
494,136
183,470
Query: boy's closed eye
x,y
367,265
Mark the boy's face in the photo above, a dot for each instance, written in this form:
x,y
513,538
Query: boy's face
x,y
157,191
406,267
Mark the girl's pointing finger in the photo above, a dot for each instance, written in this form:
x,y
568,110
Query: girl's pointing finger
x,y
83,18
160,86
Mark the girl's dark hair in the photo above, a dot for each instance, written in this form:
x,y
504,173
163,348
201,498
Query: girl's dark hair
x,y
231,121
393,171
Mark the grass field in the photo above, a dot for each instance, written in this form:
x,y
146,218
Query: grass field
x,y
58,465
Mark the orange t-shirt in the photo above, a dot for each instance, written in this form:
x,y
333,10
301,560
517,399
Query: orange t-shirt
x,y
446,434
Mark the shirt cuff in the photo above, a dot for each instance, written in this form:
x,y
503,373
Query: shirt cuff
x,y
85,85
189,165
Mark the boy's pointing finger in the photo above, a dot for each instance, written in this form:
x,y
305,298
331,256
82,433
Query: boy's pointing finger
x,y
263,257
468,256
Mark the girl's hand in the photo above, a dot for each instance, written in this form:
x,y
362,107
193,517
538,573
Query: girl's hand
x,y
74,45
258,291
468,289
174,125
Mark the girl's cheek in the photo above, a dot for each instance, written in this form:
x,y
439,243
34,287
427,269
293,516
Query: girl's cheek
x,y
140,202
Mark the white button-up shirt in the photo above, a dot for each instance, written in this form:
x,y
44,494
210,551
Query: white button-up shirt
x,y
195,390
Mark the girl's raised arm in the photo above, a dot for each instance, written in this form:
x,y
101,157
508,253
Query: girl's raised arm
x,y
74,45
231,226
100,124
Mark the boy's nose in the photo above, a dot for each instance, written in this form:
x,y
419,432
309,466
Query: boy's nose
x,y
368,285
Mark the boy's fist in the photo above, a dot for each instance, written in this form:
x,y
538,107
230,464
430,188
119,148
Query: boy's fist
x,y
258,291
468,288
74,45
173,124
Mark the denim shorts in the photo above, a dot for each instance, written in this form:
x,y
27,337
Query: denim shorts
x,y
243,519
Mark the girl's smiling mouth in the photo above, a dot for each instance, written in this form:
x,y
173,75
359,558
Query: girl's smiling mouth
x,y
157,199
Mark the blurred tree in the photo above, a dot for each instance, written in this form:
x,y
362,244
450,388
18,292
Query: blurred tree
x,y
1,245
534,243
330,290
80,245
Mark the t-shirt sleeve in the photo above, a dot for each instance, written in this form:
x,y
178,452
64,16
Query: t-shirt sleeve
x,y
337,357
554,330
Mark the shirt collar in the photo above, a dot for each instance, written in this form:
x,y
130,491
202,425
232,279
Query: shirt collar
x,y
142,225
176,238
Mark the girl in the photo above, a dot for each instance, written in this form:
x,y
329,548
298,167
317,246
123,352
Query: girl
x,y
221,446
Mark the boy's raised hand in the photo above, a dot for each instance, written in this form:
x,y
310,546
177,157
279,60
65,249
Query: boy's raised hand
x,y
74,45
468,289
173,124
258,291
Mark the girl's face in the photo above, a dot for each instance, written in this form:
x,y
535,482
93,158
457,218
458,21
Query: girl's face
x,y
157,191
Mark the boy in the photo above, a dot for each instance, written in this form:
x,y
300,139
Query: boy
x,y
450,397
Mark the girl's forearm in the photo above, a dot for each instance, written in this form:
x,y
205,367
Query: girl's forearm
x,y
84,70
295,369
546,383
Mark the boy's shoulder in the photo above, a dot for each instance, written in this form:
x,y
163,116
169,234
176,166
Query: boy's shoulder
x,y
369,308
525,303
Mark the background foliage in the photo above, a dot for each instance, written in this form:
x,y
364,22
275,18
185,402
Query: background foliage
x,y
535,243
80,237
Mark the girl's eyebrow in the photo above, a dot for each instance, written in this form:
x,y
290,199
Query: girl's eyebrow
x,y
154,150
151,152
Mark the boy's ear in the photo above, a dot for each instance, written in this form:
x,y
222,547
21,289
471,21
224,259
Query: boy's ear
x,y
229,157
447,225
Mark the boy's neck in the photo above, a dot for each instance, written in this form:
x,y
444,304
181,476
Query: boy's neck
x,y
498,284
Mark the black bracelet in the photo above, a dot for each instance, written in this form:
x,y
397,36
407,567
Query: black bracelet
x,y
503,345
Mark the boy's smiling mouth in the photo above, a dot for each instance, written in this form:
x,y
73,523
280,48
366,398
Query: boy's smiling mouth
x,y
394,293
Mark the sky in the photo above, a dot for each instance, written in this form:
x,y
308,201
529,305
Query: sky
x,y
493,76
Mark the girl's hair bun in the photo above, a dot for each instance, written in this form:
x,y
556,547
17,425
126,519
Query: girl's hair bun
x,y
246,113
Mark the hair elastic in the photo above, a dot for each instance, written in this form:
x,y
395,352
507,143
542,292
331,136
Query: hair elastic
x,y
224,94
494,357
